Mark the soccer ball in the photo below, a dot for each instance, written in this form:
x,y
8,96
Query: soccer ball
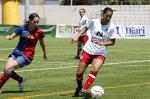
x,y
97,92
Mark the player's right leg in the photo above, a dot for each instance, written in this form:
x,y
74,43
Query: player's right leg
x,y
7,71
84,61
79,77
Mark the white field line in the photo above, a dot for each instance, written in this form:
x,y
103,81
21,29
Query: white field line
x,y
72,48
136,61
39,47
45,62
135,65
43,69
57,54
114,50
1,49
3,60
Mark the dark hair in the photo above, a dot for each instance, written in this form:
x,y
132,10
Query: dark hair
x,y
107,9
83,10
32,15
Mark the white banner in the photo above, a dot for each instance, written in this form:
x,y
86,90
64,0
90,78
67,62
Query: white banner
x,y
64,31
126,32
133,31
148,31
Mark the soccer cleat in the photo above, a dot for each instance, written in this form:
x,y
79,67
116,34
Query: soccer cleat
x,y
21,84
86,93
0,91
78,92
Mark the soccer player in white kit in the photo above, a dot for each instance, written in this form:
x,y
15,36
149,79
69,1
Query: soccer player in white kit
x,y
94,51
84,37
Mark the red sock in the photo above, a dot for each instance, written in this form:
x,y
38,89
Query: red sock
x,y
89,81
15,76
3,79
79,78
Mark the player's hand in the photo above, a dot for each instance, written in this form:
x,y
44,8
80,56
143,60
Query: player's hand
x,y
74,40
8,37
99,43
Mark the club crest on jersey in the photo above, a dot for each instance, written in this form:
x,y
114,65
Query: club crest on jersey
x,y
100,34
97,37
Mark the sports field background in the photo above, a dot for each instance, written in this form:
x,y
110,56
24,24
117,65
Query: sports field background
x,y
125,74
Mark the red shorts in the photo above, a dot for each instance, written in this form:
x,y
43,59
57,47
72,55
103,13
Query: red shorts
x,y
83,39
85,57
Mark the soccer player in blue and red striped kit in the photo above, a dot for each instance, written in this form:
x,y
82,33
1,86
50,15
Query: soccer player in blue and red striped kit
x,y
23,54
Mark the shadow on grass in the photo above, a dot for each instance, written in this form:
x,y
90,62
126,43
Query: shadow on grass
x,y
28,91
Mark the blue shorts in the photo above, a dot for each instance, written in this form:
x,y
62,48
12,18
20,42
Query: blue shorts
x,y
22,61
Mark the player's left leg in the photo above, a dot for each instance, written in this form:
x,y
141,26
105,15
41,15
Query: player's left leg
x,y
22,61
84,62
96,65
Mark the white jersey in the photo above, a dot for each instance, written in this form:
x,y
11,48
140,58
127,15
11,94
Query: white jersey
x,y
83,23
99,32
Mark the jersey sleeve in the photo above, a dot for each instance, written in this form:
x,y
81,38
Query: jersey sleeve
x,y
113,32
41,34
18,30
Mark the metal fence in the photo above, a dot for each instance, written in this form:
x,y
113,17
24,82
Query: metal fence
x,y
88,2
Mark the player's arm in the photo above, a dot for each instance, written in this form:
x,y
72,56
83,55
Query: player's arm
x,y
76,37
12,36
108,43
42,44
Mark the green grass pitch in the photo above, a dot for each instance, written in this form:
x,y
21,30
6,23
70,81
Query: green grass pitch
x,y
125,74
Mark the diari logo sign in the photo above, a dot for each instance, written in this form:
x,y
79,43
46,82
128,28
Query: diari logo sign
x,y
135,31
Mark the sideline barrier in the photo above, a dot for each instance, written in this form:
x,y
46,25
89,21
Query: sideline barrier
x,y
6,29
68,31
134,31
123,32
65,31
49,30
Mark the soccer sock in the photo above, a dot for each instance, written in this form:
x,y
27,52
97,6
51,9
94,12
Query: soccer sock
x,y
15,76
89,81
4,78
79,78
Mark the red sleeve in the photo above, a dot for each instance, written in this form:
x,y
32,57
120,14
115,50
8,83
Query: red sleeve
x,y
41,34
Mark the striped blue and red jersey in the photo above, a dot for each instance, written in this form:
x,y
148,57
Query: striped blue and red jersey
x,y
26,45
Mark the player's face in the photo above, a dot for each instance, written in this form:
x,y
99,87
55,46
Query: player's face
x,y
82,13
106,17
35,22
